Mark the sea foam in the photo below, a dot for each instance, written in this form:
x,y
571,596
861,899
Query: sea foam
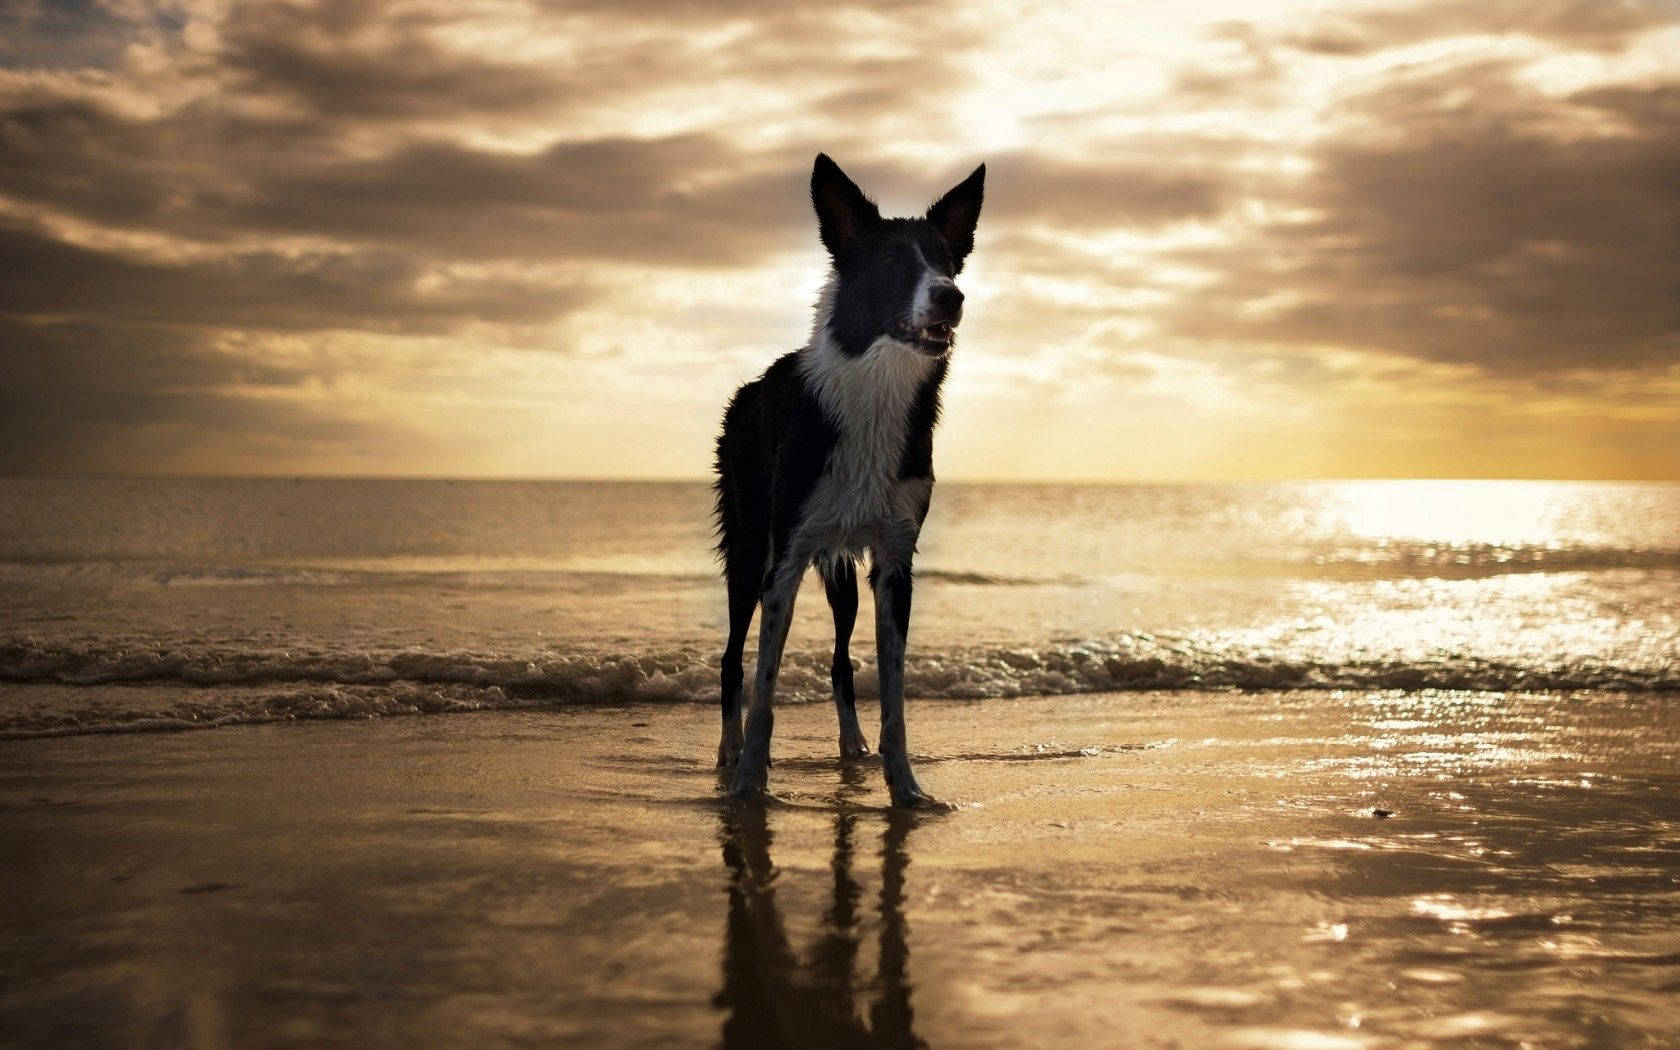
x,y
208,686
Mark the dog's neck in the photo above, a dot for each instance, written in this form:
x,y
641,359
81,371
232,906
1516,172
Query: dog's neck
x,y
868,397
872,389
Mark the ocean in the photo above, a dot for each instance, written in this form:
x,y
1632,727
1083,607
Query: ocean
x,y
1355,765
170,603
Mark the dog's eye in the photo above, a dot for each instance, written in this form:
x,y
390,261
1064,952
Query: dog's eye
x,y
888,258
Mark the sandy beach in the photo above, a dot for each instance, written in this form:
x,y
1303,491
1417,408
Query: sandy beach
x,y
1306,870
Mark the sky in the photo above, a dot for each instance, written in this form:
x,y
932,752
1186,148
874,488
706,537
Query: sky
x,y
1221,240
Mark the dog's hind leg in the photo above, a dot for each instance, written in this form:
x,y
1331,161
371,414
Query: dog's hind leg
x,y
781,588
890,576
840,583
745,575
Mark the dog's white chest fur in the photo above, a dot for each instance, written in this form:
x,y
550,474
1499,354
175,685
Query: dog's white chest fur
x,y
859,495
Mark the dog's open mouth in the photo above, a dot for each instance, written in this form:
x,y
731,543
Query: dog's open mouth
x,y
934,339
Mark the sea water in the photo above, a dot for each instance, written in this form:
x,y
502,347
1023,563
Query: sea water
x,y
161,602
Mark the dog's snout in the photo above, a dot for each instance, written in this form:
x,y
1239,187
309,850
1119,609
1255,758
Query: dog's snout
x,y
947,299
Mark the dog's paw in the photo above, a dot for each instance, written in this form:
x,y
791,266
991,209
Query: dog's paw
x,y
916,799
729,748
905,792
748,782
901,783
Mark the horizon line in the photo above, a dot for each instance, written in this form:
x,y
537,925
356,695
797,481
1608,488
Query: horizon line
x,y
706,479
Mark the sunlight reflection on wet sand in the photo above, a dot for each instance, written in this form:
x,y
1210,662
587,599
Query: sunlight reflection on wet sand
x,y
1283,870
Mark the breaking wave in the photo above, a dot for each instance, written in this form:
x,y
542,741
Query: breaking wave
x,y
1381,559
225,685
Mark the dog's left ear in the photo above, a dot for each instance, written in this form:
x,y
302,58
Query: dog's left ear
x,y
843,212
957,213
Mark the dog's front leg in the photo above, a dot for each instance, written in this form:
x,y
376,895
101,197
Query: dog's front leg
x,y
752,772
890,577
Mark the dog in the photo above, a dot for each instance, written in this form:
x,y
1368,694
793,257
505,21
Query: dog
x,y
829,453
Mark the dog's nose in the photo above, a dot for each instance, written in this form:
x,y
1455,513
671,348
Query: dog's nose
x,y
947,299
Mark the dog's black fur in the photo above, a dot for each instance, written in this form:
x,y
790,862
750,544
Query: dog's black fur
x,y
830,451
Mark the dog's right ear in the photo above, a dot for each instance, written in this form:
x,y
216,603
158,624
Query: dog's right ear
x,y
843,212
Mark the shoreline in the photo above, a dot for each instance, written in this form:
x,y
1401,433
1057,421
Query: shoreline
x,y
46,709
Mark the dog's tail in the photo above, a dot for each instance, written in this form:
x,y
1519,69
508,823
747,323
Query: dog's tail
x,y
733,464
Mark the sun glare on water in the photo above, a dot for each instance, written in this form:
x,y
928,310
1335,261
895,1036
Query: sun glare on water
x,y
1460,514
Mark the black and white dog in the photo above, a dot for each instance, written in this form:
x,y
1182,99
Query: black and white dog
x,y
830,453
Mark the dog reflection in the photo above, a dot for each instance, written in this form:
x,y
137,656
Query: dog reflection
x,y
775,998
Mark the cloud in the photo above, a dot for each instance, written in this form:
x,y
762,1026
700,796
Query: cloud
x,y
47,34
1245,67
344,121
1106,193
676,200
681,200
180,181
1595,25
79,395
345,61
1458,216
1298,208
261,290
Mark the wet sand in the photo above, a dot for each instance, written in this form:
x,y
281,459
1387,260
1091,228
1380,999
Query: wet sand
x,y
1172,869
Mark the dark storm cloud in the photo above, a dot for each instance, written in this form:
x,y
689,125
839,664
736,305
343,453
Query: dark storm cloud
x,y
183,173
101,350
688,200
685,200
359,61
1511,231
76,395
371,61
260,290
680,201
65,34
723,11
333,120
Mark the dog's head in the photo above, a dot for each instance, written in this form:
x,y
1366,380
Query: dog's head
x,y
895,278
